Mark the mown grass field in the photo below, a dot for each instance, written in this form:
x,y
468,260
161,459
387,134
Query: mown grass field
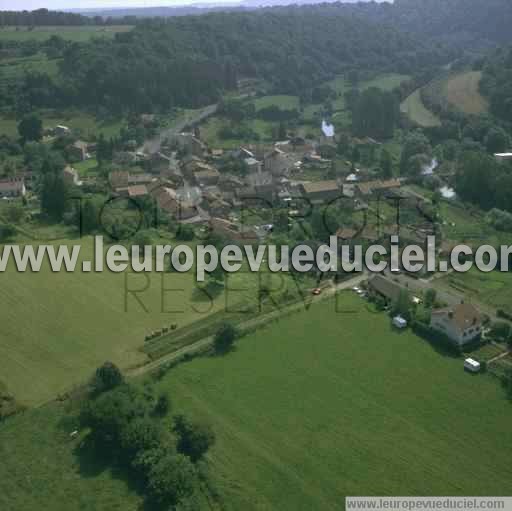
x,y
414,108
283,102
70,33
318,405
325,404
86,125
462,92
58,327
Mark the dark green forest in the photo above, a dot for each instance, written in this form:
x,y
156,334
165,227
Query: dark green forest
x,y
191,61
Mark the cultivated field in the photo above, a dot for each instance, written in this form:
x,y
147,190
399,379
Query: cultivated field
x,y
325,404
462,92
414,108
70,33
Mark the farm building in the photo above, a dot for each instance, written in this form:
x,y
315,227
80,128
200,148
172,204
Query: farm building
x,y
461,323
12,188
321,190
381,286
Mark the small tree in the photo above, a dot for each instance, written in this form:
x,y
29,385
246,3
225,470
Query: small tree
x,y
225,338
171,480
30,128
163,405
430,297
500,331
107,377
194,439
185,233
402,305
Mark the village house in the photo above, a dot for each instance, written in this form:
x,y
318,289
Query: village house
x,y
10,188
207,176
137,191
190,144
321,191
232,231
78,151
253,165
276,162
461,323
377,186
378,285
118,179
61,130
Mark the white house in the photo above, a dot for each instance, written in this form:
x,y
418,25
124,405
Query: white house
x,y
461,323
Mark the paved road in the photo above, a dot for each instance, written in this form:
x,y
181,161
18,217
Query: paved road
x,y
153,145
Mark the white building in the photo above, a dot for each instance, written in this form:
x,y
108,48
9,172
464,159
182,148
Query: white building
x,y
461,323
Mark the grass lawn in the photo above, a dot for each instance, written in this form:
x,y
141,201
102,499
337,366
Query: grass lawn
x,y
385,82
70,33
86,167
323,404
283,102
210,132
414,108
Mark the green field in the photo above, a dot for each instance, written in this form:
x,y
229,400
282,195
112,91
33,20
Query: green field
x,y
414,108
70,33
210,132
58,327
283,102
316,406
86,125
326,404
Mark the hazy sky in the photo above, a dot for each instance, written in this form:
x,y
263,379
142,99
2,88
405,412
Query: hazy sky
x,y
17,5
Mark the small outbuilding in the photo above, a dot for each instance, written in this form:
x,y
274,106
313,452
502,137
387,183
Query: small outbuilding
x,y
471,365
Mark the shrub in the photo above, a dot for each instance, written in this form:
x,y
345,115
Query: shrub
x,y
225,338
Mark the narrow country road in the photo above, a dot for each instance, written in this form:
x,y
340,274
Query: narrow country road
x,y
153,145
251,323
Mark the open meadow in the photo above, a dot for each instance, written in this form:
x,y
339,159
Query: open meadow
x,y
321,404
58,327
414,108
70,33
